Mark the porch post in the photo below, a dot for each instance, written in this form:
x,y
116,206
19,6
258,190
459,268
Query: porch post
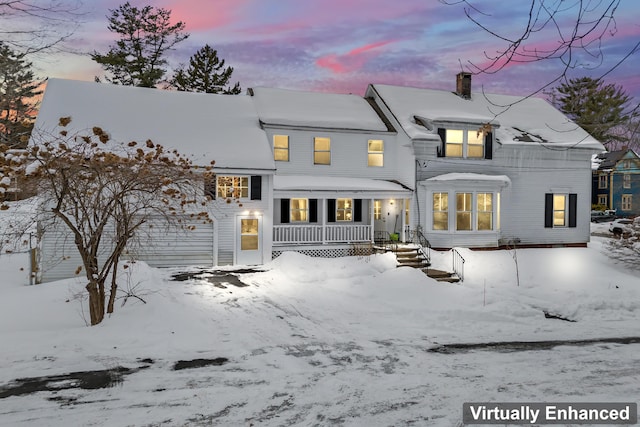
x,y
323,219
372,220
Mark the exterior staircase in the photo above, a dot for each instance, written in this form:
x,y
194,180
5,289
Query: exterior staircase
x,y
409,256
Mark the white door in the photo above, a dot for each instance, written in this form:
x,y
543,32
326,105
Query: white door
x,y
249,240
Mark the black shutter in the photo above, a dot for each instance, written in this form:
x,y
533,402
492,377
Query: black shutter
x,y
256,187
331,210
573,207
210,186
548,210
284,211
313,210
443,135
488,146
357,207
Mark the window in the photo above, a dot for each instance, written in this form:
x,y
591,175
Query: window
x,y
233,186
559,210
321,151
281,148
475,144
626,164
299,210
454,143
602,181
626,202
377,209
344,210
376,153
603,199
485,211
440,211
463,211
249,234
464,143
626,180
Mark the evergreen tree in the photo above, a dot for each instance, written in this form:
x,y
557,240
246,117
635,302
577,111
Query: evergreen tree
x,y
18,90
597,107
205,73
138,57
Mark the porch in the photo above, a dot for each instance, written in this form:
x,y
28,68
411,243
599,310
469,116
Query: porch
x,y
285,234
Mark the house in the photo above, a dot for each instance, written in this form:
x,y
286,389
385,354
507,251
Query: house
x,y
329,174
616,182
341,176
492,170
204,127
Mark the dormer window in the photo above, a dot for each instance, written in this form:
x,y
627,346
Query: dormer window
x,y
465,143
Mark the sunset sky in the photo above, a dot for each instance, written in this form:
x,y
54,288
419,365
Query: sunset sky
x,y
342,45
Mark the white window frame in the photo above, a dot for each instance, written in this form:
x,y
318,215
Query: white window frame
x,y
472,209
564,209
235,190
278,141
439,209
304,211
626,180
317,140
346,210
375,158
464,144
603,199
377,209
627,202
603,181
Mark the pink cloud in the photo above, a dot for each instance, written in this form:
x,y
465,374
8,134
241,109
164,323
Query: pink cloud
x,y
199,15
352,60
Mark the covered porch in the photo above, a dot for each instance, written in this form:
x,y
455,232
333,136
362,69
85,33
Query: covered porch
x,y
333,211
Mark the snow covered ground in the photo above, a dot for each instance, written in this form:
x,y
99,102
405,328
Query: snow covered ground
x,y
321,342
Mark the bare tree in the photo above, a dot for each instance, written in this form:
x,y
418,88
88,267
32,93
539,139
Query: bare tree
x,y
568,33
103,192
30,26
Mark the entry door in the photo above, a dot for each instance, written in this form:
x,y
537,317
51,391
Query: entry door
x,y
249,240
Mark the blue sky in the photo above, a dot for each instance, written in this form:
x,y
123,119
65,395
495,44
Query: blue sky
x,y
342,45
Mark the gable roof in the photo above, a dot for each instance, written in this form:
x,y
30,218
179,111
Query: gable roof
x,y
318,110
203,127
609,159
527,121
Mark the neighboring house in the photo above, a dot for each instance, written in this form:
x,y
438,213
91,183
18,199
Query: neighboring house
x,y
324,173
492,170
616,182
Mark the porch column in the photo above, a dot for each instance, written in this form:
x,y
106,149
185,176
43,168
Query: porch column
x,y
323,219
372,219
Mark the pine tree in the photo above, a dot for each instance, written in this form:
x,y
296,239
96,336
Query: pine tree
x,y
597,107
138,57
18,92
205,73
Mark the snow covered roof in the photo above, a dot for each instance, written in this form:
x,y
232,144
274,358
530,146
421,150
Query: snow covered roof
x,y
473,177
608,160
204,127
313,109
332,183
527,121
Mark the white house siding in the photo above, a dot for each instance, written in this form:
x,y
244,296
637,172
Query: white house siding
x,y
158,246
348,154
226,215
533,171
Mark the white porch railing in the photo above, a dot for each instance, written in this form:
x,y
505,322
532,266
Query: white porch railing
x,y
345,233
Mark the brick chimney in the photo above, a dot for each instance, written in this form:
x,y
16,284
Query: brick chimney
x,y
463,85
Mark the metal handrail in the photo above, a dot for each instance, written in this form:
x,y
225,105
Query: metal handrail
x,y
458,264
